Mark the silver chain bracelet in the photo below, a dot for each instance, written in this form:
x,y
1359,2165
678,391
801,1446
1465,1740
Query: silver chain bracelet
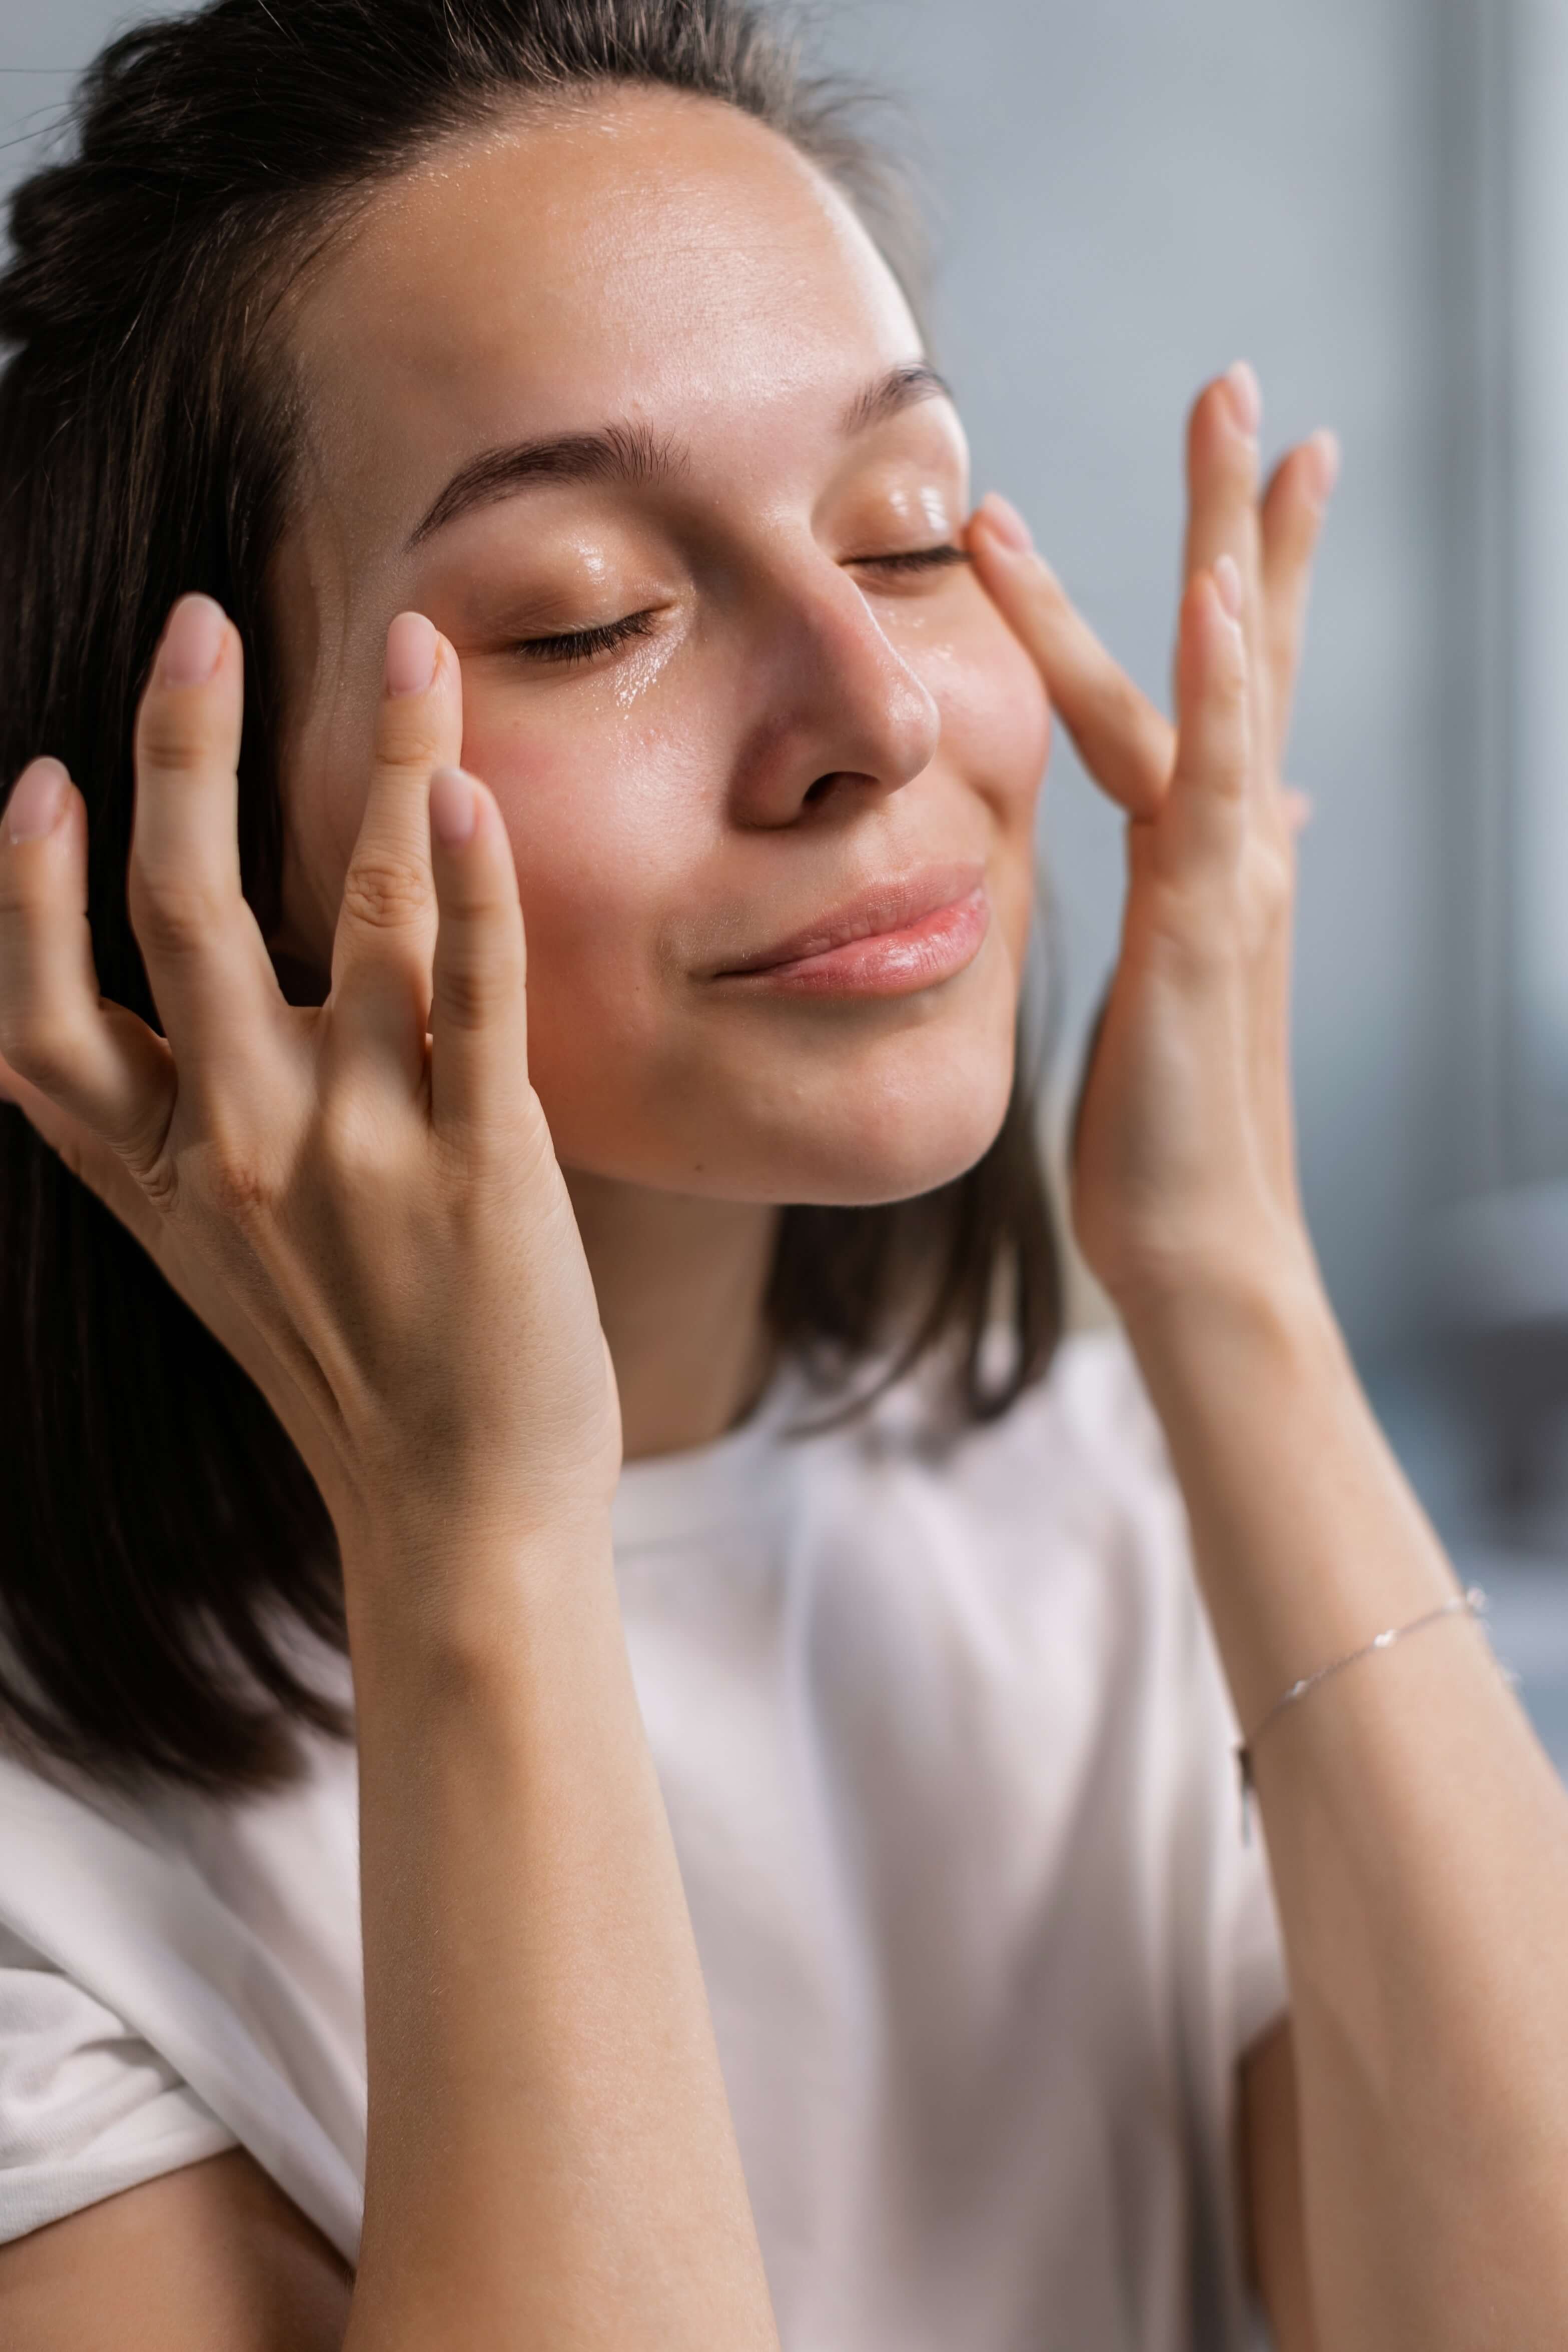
x,y
1474,1599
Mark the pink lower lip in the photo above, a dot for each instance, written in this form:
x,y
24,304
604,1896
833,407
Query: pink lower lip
x,y
887,963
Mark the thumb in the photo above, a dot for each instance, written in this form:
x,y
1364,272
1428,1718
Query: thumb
x,y
88,1157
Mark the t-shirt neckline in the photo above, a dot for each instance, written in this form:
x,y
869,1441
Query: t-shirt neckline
x,y
667,1499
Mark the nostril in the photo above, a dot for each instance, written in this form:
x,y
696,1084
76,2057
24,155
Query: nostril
x,y
824,784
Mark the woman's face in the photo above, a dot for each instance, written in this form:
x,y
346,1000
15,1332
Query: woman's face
x,y
798,712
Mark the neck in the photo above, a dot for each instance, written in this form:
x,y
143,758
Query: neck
x,y
680,1283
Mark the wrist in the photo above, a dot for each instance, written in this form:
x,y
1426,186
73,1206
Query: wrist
x,y
449,1601
1219,1349
1268,1300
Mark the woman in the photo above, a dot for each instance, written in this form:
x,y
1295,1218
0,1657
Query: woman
x,y
582,550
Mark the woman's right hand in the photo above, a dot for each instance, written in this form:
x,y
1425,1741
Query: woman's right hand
x,y
361,1199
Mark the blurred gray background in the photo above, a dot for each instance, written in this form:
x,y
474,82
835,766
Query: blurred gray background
x,y
1365,198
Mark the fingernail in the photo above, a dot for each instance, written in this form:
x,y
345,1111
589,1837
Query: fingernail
x,y
1330,458
453,806
1228,580
410,654
191,642
36,799
1245,397
1005,521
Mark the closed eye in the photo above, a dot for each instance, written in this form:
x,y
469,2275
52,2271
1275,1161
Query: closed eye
x,y
917,558
582,645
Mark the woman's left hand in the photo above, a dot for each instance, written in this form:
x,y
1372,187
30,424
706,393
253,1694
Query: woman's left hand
x,y
1184,1172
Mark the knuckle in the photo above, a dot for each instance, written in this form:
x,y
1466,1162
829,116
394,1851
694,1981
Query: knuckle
x,y
385,892
41,1049
159,1180
1271,888
353,1135
178,740
237,1184
410,737
1233,688
472,995
173,915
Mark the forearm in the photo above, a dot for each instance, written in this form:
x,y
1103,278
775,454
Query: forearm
x,y
550,2159
1418,1838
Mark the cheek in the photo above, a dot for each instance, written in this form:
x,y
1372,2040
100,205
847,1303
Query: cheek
x,y
600,819
996,737
995,716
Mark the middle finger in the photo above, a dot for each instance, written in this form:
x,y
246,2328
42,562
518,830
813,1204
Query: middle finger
x,y
386,937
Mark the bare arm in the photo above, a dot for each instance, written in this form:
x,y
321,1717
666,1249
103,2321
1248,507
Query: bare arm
x,y
550,2157
1418,1838
1417,1834
362,1203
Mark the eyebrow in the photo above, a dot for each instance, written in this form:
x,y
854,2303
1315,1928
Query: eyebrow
x,y
900,388
634,455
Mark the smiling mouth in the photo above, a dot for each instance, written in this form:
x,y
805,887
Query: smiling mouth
x,y
885,910
925,931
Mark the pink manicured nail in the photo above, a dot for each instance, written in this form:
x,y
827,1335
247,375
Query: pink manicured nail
x,y
36,801
1245,397
410,654
191,642
1330,458
1228,580
1006,522
453,806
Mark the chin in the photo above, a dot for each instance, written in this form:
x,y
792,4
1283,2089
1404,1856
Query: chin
x,y
818,1120
877,1145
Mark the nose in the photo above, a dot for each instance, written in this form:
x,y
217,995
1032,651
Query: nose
x,y
840,719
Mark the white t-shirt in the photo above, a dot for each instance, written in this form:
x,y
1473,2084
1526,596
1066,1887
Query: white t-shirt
x,y
946,1749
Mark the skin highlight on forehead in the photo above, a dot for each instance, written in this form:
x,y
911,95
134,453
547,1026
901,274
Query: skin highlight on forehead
x,y
453,317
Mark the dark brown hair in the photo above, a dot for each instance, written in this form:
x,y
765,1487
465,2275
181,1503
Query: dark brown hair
x,y
158,1532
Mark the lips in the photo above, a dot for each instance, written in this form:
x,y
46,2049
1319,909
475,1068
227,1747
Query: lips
x,y
887,906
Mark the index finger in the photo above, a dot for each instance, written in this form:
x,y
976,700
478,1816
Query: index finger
x,y
1128,746
212,979
1222,463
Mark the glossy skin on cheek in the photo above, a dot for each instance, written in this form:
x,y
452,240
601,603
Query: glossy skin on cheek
x,y
801,712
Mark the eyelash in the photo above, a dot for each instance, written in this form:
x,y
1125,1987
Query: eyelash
x,y
582,645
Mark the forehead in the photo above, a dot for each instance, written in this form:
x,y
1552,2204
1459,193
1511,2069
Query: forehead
x,y
641,256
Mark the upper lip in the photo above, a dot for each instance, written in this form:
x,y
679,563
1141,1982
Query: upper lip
x,y
886,905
